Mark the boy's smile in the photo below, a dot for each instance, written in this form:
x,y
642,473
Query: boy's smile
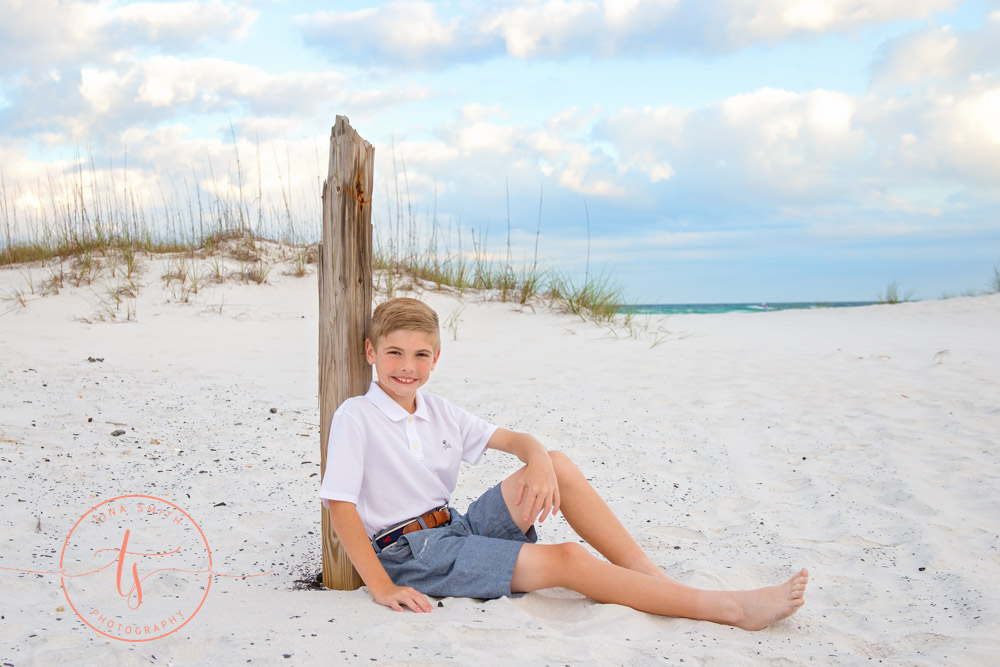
x,y
403,362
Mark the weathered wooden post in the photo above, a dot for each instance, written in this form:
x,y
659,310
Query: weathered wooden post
x,y
345,305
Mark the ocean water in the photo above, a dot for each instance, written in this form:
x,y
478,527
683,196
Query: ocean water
x,y
684,308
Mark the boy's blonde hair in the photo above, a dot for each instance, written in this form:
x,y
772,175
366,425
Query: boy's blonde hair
x,y
404,313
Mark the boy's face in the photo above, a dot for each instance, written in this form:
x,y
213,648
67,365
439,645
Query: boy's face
x,y
403,362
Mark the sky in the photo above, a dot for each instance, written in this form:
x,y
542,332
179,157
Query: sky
x,y
689,151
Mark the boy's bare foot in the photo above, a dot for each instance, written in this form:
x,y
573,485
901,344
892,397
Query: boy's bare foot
x,y
761,607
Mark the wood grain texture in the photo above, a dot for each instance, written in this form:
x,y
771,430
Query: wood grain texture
x,y
345,305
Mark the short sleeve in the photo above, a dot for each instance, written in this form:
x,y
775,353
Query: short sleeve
x,y
345,459
476,433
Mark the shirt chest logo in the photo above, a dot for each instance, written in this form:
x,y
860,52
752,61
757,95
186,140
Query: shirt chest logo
x,y
445,444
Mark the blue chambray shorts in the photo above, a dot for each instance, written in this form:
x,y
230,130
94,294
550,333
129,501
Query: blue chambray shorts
x,y
472,557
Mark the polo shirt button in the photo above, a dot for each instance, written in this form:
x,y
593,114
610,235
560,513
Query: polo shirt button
x,y
409,420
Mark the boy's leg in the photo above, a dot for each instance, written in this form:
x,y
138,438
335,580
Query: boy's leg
x,y
588,515
631,578
570,565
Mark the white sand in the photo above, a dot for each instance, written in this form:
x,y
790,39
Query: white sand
x,y
860,443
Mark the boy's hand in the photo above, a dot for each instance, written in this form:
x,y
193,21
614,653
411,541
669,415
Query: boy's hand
x,y
538,495
347,524
538,489
398,597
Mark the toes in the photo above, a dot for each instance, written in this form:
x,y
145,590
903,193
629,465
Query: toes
x,y
801,578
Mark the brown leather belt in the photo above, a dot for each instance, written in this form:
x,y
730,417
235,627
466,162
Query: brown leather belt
x,y
439,517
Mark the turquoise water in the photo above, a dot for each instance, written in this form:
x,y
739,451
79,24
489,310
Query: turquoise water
x,y
684,308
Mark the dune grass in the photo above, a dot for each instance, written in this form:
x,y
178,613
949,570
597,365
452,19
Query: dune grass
x,y
85,223
892,295
992,287
407,254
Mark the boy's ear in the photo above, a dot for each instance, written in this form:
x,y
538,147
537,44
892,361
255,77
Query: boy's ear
x,y
437,355
369,351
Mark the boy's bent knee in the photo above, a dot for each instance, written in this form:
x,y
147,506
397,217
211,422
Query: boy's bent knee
x,y
559,458
568,559
562,464
571,551
547,565
557,555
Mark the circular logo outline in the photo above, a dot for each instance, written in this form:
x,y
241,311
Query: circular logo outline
x,y
194,523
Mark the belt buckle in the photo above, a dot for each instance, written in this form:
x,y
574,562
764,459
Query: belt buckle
x,y
387,538
446,511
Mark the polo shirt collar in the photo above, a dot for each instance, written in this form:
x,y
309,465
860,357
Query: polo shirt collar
x,y
393,410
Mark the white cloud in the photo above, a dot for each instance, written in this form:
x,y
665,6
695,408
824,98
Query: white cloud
x,y
486,137
987,115
96,103
778,19
573,120
267,128
944,136
958,136
882,201
764,144
378,100
165,86
810,155
892,231
99,102
480,148
99,88
183,23
477,113
765,154
709,26
927,54
414,33
42,34
550,28
938,53
207,84
168,166
19,168
660,172
408,33
437,155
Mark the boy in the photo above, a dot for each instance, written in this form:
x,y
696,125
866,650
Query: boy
x,y
393,463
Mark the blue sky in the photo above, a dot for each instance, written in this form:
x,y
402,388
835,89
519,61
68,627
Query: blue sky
x,y
721,150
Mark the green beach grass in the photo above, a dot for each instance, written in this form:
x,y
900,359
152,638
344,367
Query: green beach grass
x,y
86,222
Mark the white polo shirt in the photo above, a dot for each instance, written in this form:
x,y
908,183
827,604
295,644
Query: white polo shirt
x,y
393,465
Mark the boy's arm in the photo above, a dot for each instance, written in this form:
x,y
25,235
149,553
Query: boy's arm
x,y
538,493
351,532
